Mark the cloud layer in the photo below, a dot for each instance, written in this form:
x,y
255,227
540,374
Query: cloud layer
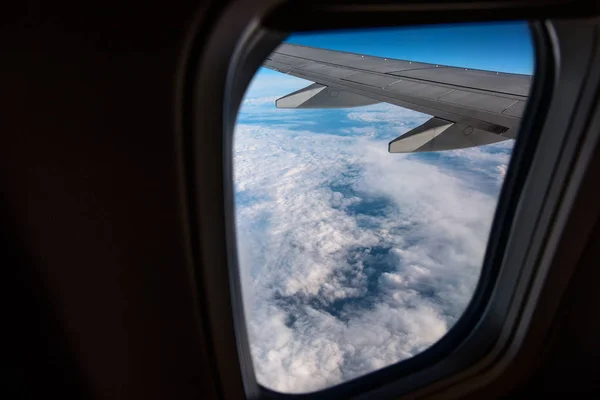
x,y
352,258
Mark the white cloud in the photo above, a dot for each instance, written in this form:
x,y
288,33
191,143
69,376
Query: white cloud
x,y
353,259
259,101
387,113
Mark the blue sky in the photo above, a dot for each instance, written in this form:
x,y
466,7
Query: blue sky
x,y
352,258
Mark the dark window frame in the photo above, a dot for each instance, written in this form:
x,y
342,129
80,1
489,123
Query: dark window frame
x,y
487,331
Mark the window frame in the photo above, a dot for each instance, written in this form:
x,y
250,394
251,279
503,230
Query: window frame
x,y
485,337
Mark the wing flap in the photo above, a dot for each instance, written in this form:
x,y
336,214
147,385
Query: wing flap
x,y
512,84
368,79
516,110
478,101
418,89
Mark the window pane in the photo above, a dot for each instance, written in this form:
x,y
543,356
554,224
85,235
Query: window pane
x,y
353,257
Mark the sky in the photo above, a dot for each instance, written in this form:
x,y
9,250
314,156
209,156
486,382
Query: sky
x,y
351,258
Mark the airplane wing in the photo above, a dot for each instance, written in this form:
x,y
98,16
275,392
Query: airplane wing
x,y
470,107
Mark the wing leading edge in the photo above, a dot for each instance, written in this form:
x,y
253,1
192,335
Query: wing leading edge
x,y
469,107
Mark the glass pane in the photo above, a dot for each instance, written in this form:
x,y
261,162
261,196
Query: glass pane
x,y
353,257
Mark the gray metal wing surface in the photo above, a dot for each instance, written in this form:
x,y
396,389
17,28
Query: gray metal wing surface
x,y
469,107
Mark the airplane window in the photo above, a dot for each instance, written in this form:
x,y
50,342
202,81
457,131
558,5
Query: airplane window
x,y
367,168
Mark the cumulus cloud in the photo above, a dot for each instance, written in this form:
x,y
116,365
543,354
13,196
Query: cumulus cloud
x,y
353,259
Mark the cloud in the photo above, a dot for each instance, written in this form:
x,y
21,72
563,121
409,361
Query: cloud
x,y
353,259
387,113
259,101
